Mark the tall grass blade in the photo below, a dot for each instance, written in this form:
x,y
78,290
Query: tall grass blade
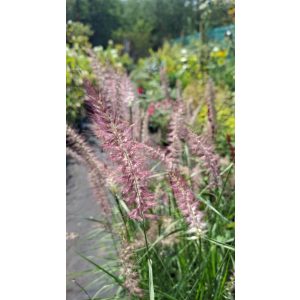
x,y
219,244
208,204
151,287
116,279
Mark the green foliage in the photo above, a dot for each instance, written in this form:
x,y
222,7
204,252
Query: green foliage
x,y
225,120
138,38
78,35
146,24
78,66
114,56
181,268
160,121
215,13
101,15
77,69
221,64
183,66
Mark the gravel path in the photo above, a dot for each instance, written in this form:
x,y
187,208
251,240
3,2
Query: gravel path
x,y
81,205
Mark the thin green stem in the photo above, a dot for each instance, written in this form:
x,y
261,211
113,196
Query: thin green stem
x,y
123,217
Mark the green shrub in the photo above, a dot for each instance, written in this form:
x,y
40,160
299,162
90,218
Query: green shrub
x,y
78,66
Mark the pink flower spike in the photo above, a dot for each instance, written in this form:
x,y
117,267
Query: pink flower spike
x,y
115,135
187,203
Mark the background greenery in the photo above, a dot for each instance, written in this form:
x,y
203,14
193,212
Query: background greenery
x,y
146,24
185,65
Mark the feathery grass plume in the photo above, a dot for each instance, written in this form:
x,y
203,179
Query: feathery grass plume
x,y
196,178
126,90
77,144
129,270
136,117
110,92
188,204
117,141
200,146
118,89
75,155
98,70
174,148
128,106
136,112
97,171
210,101
113,90
123,99
156,154
184,196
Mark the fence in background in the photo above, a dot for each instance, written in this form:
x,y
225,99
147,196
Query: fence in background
x,y
215,34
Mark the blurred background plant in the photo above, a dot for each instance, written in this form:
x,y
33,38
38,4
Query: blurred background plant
x,y
78,66
150,33
114,56
148,23
183,70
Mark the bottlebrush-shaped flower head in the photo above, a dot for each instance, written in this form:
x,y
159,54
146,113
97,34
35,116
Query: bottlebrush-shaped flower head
x,y
126,90
97,68
156,154
115,135
188,205
175,132
118,89
129,271
201,147
97,171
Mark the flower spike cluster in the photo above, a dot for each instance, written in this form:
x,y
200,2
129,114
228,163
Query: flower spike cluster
x,y
96,67
129,270
175,132
200,146
115,135
97,171
188,205
119,91
185,198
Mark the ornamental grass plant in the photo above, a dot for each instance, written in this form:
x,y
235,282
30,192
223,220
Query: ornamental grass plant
x,y
169,210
